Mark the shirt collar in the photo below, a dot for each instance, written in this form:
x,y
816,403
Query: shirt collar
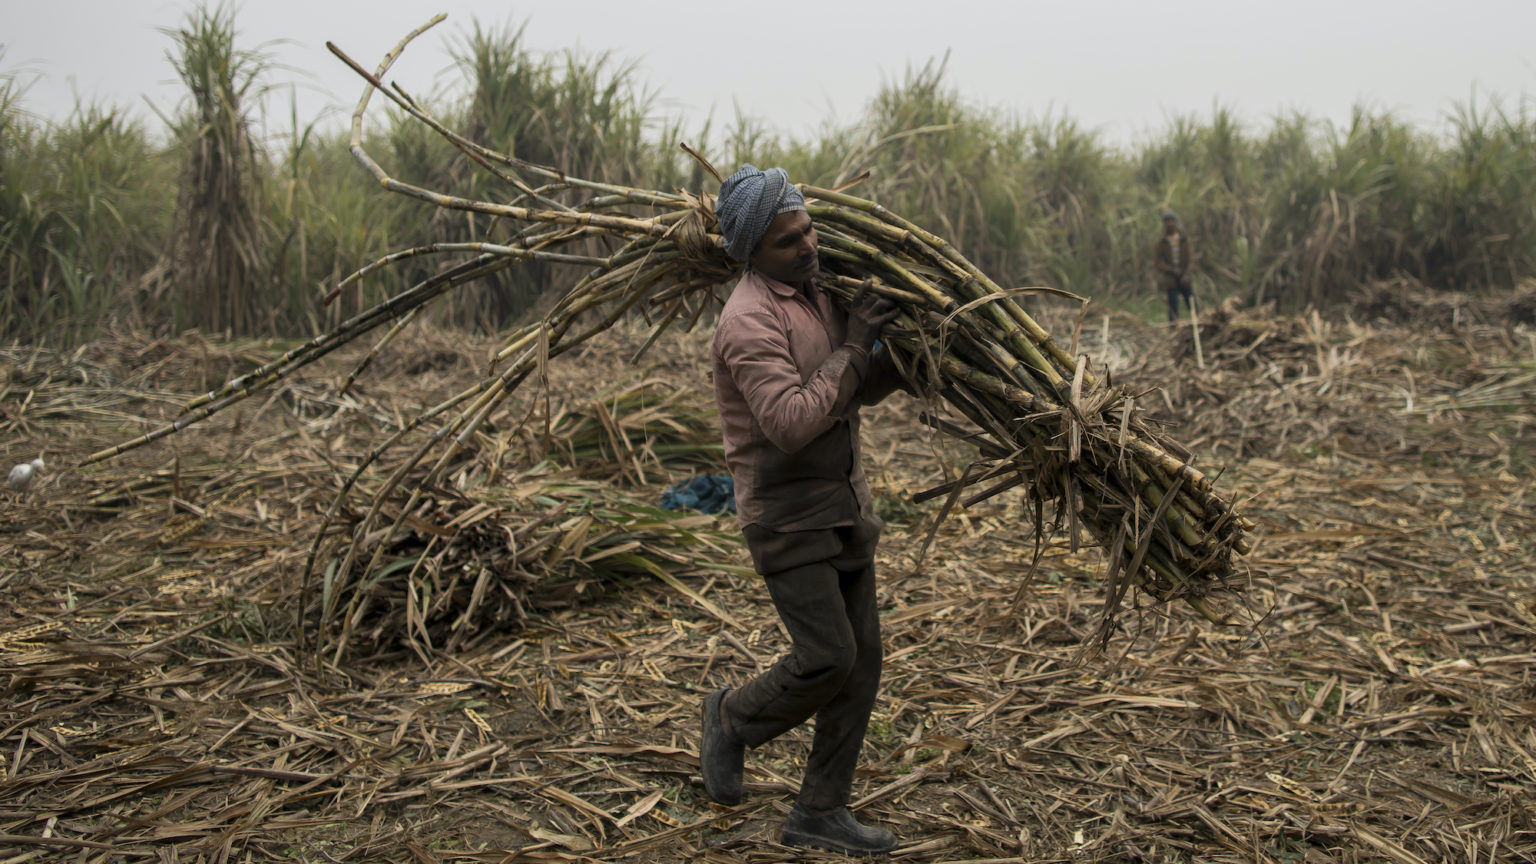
x,y
784,289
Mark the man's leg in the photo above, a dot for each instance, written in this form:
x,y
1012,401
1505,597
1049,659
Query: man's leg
x,y
800,683
842,722
832,671
822,654
820,817
1172,292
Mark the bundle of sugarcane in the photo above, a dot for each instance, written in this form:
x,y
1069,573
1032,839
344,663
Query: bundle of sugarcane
x,y
1041,419
636,430
500,548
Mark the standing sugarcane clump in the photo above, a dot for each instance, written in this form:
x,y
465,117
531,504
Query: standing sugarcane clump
x,y
1041,420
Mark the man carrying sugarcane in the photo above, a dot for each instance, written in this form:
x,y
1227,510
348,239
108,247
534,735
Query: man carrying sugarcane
x,y
791,370
1173,256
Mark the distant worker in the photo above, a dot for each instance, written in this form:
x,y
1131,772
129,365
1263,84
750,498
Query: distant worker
x,y
1173,256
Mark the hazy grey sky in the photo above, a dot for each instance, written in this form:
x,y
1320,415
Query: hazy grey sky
x,y
1120,67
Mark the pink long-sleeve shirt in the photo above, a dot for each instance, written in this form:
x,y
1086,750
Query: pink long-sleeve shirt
x,y
789,418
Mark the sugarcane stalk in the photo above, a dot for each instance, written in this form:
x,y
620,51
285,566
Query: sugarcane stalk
x,y
948,251
348,330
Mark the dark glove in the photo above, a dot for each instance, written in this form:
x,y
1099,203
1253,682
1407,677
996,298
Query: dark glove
x,y
867,316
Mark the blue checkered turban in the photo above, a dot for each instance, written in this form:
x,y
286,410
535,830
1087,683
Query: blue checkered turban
x,y
748,201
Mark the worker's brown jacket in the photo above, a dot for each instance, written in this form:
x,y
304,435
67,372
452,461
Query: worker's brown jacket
x,y
1167,273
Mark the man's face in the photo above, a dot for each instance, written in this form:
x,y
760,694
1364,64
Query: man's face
x,y
787,252
1170,226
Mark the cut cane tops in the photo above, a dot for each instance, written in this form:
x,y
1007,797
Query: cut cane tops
x,y
791,434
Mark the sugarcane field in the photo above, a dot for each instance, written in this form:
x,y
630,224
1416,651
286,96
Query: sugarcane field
x,y
510,472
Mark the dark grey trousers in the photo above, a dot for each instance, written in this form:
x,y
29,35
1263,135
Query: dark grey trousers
x,y
1176,289
823,586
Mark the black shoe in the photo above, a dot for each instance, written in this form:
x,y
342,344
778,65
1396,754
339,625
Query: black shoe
x,y
835,832
720,758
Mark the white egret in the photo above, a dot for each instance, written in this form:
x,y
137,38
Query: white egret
x,y
25,476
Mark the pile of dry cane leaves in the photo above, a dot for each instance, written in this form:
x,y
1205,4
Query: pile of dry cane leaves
x,y
155,707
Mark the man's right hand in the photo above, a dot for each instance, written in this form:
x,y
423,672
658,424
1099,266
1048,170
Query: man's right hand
x,y
867,316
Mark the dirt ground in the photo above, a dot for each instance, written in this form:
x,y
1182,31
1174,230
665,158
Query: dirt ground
x,y
156,706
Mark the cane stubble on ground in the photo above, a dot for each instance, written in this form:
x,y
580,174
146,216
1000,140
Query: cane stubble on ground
x,y
1380,712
